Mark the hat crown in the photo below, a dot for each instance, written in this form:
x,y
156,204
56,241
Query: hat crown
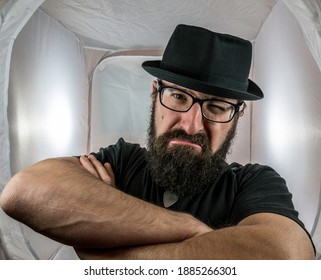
x,y
219,59
209,62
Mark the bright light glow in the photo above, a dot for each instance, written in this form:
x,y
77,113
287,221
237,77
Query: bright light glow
x,y
286,137
58,121
278,134
281,127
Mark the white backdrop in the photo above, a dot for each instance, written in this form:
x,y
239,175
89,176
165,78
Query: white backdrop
x,y
49,73
47,113
48,94
287,124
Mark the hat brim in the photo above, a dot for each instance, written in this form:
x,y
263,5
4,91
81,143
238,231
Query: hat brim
x,y
253,91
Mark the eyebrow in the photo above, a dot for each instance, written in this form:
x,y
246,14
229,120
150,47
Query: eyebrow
x,y
190,91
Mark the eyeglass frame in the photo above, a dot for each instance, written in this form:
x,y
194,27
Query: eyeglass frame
x,y
237,106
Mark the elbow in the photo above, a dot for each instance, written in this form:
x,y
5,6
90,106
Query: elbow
x,y
8,198
12,197
299,244
9,195
303,251
291,249
299,247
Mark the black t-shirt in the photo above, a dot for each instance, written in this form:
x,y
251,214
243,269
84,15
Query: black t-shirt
x,y
238,193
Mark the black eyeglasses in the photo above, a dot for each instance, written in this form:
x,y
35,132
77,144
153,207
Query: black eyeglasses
x,y
214,110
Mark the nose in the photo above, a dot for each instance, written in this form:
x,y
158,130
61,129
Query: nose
x,y
192,121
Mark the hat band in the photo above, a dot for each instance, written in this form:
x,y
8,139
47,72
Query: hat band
x,y
223,82
208,78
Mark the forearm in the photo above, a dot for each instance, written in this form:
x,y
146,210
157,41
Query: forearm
x,y
260,236
219,244
263,236
62,200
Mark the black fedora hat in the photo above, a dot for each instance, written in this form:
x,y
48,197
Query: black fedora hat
x,y
209,62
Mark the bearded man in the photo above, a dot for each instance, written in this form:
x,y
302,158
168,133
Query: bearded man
x,y
177,199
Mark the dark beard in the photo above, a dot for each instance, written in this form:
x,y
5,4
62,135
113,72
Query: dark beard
x,y
180,169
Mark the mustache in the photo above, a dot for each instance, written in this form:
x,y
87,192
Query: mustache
x,y
199,138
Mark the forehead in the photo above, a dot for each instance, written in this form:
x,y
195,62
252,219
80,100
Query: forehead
x,y
198,94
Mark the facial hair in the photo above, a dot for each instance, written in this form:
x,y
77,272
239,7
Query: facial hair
x,y
180,169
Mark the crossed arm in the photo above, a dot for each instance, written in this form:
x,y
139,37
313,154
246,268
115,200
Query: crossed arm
x,y
65,202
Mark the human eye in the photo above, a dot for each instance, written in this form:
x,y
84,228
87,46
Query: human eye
x,y
218,107
178,96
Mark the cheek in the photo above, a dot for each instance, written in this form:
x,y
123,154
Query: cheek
x,y
164,120
217,134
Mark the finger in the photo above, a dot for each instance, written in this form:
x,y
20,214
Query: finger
x,y
110,173
100,169
88,165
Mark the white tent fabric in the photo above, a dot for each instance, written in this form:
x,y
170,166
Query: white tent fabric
x,y
48,109
110,25
64,41
45,121
133,92
286,126
308,14
13,18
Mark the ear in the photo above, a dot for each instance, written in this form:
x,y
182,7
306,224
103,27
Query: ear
x,y
154,90
154,86
241,113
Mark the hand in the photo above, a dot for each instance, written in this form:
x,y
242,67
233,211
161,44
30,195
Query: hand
x,y
102,172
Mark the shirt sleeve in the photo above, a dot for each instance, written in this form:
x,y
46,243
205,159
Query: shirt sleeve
x,y
262,189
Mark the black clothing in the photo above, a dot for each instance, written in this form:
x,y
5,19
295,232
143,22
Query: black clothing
x,y
238,193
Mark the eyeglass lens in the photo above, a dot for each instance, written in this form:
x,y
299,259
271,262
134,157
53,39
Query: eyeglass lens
x,y
214,110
